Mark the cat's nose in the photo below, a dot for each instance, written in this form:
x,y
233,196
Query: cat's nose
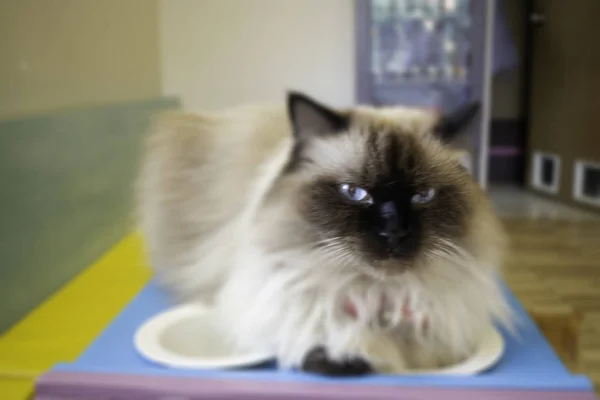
x,y
393,225
394,235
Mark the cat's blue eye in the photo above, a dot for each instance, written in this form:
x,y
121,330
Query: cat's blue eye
x,y
355,194
423,197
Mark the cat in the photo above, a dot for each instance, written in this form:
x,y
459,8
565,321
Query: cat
x,y
345,241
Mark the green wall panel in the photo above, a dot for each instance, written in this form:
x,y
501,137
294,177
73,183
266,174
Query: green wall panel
x,y
66,195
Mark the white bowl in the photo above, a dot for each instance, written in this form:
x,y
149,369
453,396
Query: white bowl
x,y
487,354
189,336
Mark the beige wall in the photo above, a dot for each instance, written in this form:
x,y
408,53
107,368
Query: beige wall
x,y
64,53
216,53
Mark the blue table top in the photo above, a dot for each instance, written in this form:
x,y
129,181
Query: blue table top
x,y
528,363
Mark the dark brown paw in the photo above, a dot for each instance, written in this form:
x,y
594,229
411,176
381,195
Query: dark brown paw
x,y
318,362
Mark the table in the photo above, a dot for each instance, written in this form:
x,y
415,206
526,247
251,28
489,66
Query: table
x,y
530,369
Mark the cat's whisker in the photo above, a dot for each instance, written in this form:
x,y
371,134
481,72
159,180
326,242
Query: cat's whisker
x,y
340,254
328,240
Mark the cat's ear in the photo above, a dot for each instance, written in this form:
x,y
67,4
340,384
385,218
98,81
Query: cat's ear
x,y
310,118
452,124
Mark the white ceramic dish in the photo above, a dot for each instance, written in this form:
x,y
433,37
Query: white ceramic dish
x,y
489,352
189,337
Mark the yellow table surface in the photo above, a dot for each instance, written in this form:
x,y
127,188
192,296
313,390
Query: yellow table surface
x,y
63,326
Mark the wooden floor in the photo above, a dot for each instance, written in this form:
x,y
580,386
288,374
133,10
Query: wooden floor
x,y
555,259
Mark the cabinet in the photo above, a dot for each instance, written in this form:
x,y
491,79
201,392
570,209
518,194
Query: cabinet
x,y
429,53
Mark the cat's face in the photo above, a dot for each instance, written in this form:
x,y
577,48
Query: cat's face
x,y
373,186
394,206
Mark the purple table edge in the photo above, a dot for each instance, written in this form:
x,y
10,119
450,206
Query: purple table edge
x,y
74,385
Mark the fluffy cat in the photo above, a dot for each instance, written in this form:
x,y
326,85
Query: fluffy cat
x,y
347,241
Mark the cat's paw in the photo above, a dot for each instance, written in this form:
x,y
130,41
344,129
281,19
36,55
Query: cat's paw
x,y
317,361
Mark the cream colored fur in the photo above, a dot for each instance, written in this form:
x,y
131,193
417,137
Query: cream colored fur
x,y
210,238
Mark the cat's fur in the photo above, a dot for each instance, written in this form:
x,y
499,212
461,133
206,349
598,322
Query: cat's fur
x,y
242,205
